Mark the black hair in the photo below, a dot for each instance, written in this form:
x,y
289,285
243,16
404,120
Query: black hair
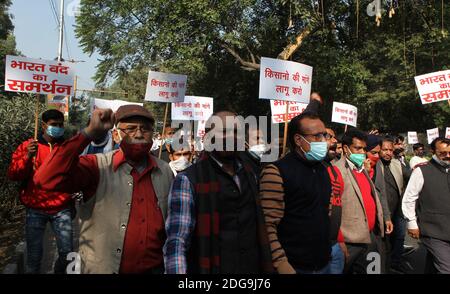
x,y
398,139
295,126
52,114
389,139
417,146
439,140
347,139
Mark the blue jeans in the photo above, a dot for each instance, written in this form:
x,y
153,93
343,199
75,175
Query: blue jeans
x,y
337,260
322,271
36,222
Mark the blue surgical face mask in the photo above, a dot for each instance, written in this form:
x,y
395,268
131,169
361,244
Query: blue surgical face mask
x,y
317,152
169,141
55,132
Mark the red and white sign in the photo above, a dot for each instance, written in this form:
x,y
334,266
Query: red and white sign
x,y
111,104
201,126
432,134
165,87
344,114
434,87
447,133
412,138
60,103
284,80
193,108
38,76
278,108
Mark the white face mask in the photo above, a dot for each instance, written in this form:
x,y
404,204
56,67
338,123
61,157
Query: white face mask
x,y
259,149
180,164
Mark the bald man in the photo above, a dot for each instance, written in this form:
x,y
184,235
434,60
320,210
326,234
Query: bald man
x,y
215,223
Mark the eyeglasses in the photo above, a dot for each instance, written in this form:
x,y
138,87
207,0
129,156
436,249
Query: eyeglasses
x,y
319,136
132,130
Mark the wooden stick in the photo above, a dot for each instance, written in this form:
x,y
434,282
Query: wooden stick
x,y
345,130
164,128
285,128
36,118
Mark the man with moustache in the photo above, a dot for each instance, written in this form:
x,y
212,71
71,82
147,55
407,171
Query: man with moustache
x,y
125,192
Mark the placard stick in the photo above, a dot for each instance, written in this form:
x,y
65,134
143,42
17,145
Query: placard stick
x,y
285,128
164,128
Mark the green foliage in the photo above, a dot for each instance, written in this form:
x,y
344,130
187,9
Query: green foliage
x,y
17,125
371,67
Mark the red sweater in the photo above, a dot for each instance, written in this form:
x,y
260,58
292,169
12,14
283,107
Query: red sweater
x,y
368,198
21,169
145,234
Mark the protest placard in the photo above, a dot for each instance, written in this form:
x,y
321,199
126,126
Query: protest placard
x,y
193,108
112,104
278,108
284,80
165,87
432,134
38,76
344,114
412,138
447,133
434,87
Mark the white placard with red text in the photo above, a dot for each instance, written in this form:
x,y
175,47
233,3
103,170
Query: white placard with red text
x,y
112,104
432,134
344,114
201,126
412,138
434,87
284,80
193,108
165,87
38,76
278,108
447,133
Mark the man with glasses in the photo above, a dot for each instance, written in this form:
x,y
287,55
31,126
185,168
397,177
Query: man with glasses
x,y
125,193
295,196
362,215
426,206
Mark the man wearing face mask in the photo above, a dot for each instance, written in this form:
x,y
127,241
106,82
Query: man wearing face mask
x,y
362,222
166,140
215,223
125,193
295,195
180,157
43,206
426,206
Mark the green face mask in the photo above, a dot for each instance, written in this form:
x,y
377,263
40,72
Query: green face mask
x,y
357,159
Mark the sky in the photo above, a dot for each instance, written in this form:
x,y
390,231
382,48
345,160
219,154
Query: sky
x,y
36,32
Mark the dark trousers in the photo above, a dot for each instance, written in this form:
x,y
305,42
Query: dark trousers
x,y
359,259
438,255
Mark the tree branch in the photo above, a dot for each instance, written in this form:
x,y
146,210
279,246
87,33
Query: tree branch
x,y
247,65
292,47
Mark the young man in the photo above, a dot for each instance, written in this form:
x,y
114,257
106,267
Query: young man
x,y
43,206
180,157
419,152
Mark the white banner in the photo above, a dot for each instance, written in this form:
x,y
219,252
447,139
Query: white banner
x,y
432,134
38,76
193,108
278,109
201,128
344,114
434,87
447,133
284,80
112,104
412,138
165,87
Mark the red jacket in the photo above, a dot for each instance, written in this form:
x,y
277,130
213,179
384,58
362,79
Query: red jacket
x,y
21,170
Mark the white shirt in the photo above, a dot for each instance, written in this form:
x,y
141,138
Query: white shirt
x,y
416,160
410,197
